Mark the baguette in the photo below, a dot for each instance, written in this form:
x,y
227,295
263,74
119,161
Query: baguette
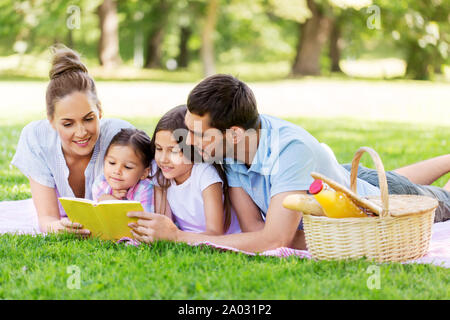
x,y
303,203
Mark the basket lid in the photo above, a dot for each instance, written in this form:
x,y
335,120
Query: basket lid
x,y
404,204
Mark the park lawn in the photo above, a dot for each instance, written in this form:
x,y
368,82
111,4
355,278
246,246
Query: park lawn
x,y
43,267
36,267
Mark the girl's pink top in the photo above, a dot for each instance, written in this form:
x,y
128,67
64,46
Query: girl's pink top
x,y
141,191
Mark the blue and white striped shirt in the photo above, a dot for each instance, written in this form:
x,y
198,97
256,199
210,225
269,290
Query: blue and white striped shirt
x,y
39,155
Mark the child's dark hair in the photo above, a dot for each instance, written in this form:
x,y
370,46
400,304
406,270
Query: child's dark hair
x,y
173,121
227,100
138,140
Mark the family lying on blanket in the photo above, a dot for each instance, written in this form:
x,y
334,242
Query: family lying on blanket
x,y
214,170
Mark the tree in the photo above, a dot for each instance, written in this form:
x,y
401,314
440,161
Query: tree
x,y
187,13
151,23
335,50
183,54
37,24
109,34
159,17
349,22
313,34
207,49
325,25
421,30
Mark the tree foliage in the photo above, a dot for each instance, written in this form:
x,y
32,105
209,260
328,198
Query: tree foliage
x,y
421,29
152,32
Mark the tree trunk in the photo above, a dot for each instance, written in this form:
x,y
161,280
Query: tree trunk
x,y
70,39
158,19
109,34
313,35
301,31
335,50
154,53
418,62
183,55
207,50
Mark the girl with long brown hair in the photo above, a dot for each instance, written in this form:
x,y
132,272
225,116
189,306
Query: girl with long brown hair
x,y
197,193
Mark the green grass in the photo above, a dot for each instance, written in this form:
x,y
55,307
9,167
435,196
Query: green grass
x,y
37,267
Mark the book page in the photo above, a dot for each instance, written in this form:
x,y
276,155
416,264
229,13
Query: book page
x,y
82,211
114,217
78,200
116,201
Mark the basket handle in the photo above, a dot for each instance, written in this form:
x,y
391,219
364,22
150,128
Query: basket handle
x,y
381,176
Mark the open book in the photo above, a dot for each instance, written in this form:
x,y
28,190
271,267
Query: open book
x,y
106,219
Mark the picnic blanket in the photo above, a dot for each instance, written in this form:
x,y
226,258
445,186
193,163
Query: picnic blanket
x,y
20,217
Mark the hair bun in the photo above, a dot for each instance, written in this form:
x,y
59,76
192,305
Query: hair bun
x,y
65,60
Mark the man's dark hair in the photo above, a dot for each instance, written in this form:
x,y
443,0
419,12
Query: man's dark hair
x,y
228,101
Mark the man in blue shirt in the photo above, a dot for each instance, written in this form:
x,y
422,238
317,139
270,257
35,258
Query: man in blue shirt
x,y
267,159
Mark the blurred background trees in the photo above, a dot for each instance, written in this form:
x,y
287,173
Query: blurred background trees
x,y
310,37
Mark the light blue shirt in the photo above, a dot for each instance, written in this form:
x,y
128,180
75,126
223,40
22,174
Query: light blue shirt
x,y
284,160
39,155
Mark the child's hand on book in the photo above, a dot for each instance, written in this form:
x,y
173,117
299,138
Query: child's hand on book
x,y
152,226
116,195
119,194
65,225
105,197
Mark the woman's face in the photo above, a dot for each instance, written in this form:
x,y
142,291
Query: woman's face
x,y
77,122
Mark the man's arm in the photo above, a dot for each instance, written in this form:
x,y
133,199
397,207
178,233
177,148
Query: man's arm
x,y
279,230
247,211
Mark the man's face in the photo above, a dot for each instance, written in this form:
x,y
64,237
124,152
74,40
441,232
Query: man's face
x,y
210,142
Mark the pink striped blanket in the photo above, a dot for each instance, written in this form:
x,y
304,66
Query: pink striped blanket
x,y
20,217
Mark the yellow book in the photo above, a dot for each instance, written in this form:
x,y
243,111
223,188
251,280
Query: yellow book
x,y
106,219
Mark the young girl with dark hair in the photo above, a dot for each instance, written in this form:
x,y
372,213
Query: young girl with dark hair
x,y
197,193
126,170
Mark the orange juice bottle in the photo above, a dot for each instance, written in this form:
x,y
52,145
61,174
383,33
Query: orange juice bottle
x,y
335,204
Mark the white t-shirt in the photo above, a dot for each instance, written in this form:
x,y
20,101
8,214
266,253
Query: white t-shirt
x,y
186,200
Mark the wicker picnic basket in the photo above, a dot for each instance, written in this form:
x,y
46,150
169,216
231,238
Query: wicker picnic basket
x,y
401,230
